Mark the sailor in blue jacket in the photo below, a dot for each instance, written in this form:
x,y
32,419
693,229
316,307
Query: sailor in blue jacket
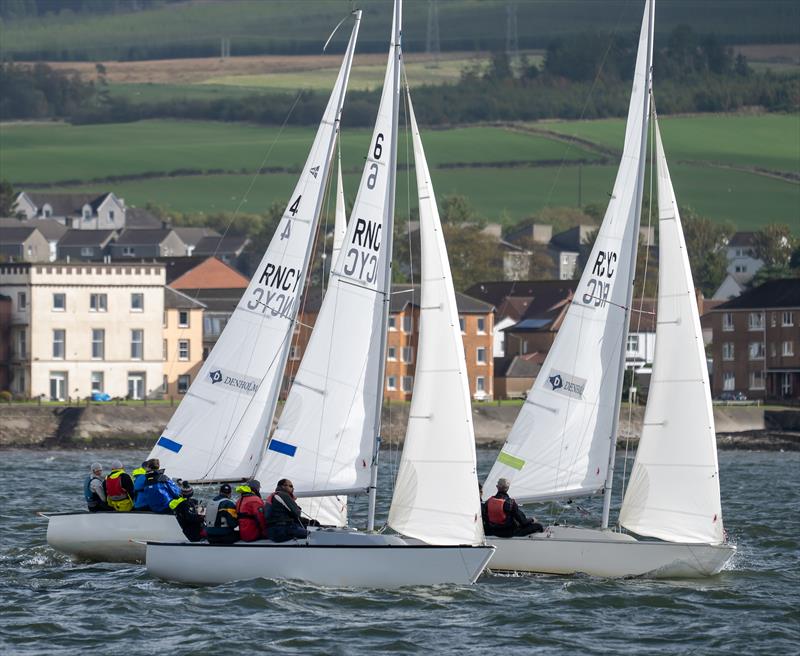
x,y
157,489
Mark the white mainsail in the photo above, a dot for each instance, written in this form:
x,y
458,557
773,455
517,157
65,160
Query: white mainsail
x,y
340,219
219,429
559,445
673,492
325,437
436,493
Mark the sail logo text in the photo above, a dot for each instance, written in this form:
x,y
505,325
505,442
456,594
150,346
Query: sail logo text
x,y
237,382
361,259
597,289
278,301
562,383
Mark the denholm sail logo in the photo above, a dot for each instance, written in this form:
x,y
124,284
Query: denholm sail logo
x,y
565,384
234,381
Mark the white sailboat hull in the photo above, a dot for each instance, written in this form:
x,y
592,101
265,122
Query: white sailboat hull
x,y
109,537
570,550
329,558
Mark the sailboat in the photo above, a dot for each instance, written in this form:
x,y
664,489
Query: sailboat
x,y
327,439
563,444
219,430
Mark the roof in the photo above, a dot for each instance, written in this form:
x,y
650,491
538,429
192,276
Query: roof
x,y
146,237
742,239
15,236
497,291
191,235
141,219
572,239
66,204
519,366
214,245
86,237
50,228
216,300
548,303
209,273
782,293
175,300
514,307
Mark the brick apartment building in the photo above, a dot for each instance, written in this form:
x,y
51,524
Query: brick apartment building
x,y
756,342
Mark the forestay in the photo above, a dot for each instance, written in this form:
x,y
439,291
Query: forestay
x,y
324,439
559,445
219,429
340,218
436,493
673,492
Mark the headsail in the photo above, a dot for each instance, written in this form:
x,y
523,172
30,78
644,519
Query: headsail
x,y
673,492
340,220
436,493
219,429
324,439
559,445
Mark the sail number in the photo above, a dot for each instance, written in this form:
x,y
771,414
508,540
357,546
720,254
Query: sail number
x,y
378,151
361,259
598,289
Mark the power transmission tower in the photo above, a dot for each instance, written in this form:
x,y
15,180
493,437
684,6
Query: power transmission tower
x,y
432,41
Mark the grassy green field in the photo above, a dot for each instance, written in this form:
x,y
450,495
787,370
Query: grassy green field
x,y
506,174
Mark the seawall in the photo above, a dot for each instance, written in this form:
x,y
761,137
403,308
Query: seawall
x,y
102,425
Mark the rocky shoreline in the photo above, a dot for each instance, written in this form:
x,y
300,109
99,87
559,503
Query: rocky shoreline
x,y
111,426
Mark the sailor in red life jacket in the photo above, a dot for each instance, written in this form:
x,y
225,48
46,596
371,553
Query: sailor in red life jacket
x,y
250,511
119,488
504,519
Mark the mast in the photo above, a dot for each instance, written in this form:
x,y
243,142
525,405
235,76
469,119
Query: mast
x,y
387,273
634,249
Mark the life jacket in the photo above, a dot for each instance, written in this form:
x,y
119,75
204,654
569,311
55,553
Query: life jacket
x,y
92,498
117,496
250,510
495,511
158,491
214,515
190,521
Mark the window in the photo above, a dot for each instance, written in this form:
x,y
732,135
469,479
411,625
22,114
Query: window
x,y
98,344
22,301
87,251
183,319
164,319
19,379
727,351
59,344
773,350
756,350
727,321
294,353
183,383
408,354
391,353
98,303
481,326
788,319
728,381
773,319
757,379
480,384
183,349
755,321
740,268
137,302
59,302
111,215
462,324
128,251
408,324
391,382
408,383
164,350
633,344
786,384
392,322
136,385
87,213
164,385
137,343
97,382
22,343
481,355
788,349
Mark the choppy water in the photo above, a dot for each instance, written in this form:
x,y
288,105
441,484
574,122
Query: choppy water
x,y
51,605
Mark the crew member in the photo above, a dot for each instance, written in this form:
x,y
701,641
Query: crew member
x,y
93,490
504,517
250,512
138,476
119,488
158,489
189,514
285,518
221,518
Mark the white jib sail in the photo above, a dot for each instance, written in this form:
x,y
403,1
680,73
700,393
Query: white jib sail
x,y
325,436
436,493
219,429
673,492
340,220
559,444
